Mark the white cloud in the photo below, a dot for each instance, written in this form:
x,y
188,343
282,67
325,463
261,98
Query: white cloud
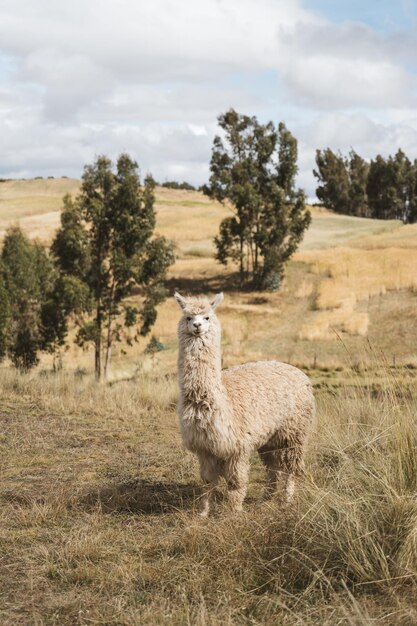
x,y
331,83
332,66
83,78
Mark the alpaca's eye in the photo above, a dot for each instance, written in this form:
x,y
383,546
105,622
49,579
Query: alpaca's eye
x,y
188,319
207,319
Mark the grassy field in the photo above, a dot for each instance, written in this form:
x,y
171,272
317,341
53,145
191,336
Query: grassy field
x,y
350,292
98,497
98,524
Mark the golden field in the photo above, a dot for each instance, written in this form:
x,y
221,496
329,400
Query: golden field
x,y
98,497
98,517
352,285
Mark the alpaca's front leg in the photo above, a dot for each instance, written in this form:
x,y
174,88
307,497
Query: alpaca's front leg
x,y
289,488
237,478
210,469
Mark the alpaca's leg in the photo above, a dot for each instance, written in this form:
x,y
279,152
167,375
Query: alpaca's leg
x,y
294,468
273,474
282,463
293,464
237,478
289,488
210,468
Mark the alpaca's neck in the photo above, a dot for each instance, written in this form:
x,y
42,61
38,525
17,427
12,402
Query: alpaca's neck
x,y
200,368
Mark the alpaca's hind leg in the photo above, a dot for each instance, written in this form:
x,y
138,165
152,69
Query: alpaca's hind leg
x,y
293,464
210,469
283,464
237,478
289,488
274,476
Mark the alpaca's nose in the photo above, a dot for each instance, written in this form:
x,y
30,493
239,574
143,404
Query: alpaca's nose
x,y
197,324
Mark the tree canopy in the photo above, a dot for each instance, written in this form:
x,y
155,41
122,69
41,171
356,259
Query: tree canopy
x,y
385,188
342,182
253,169
106,245
26,280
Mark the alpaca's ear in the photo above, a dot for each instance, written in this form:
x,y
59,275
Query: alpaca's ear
x,y
216,301
180,299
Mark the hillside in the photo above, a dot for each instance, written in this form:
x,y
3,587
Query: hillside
x,y
350,292
34,204
98,498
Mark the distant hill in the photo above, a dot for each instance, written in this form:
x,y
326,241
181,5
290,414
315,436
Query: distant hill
x,y
351,278
35,196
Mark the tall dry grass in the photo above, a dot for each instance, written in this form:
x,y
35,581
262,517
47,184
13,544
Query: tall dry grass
x,y
351,277
98,497
73,392
98,520
355,276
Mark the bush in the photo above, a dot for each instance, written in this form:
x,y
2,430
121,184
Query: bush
x,y
172,184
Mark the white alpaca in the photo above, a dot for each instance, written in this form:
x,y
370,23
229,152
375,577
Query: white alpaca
x,y
225,415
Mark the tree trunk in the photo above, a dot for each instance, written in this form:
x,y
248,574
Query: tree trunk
x,y
109,331
241,268
251,258
108,348
97,347
97,343
54,358
99,312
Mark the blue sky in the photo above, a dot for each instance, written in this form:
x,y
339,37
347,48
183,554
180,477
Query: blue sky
x,y
84,78
382,15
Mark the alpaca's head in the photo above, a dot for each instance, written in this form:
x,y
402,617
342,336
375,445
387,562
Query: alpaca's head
x,y
199,316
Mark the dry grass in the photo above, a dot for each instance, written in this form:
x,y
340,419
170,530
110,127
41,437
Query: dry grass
x,y
343,282
20,198
352,277
345,320
394,237
98,525
34,204
357,276
188,217
330,230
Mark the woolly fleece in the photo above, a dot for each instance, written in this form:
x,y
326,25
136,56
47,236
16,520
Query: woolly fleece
x,y
266,406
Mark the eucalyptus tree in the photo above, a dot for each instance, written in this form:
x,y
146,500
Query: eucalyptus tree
x,y
107,245
253,168
333,176
26,278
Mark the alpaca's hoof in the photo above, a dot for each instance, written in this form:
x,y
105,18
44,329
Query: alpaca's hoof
x,y
204,511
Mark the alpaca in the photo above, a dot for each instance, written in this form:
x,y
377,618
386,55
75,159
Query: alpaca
x,y
225,415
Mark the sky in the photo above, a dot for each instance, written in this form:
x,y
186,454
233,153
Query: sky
x,y
90,77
